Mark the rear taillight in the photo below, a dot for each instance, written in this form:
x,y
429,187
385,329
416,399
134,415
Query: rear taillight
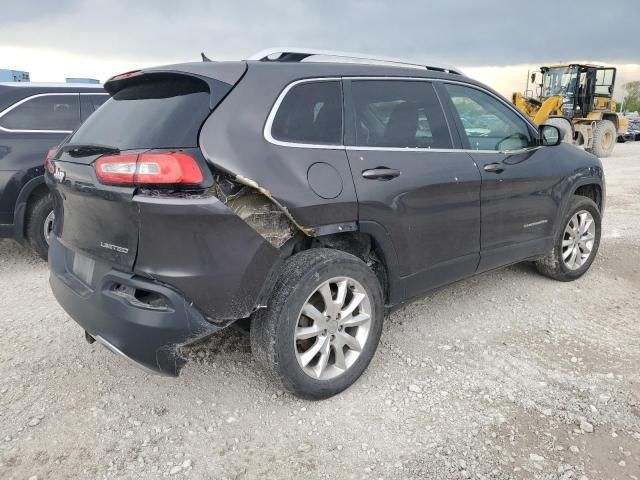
x,y
49,165
117,169
159,168
122,76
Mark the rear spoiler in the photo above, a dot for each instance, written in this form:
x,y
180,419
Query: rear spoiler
x,y
212,73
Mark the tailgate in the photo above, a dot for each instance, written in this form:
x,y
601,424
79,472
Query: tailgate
x,y
149,111
99,220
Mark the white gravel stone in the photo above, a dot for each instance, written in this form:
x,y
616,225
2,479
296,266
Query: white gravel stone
x,y
586,426
34,421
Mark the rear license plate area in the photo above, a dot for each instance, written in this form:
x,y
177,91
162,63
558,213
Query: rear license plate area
x,y
83,268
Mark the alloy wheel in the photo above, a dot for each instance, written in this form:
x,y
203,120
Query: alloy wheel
x,y
332,328
48,226
578,239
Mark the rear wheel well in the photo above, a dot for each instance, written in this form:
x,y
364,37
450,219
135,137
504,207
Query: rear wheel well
x,y
591,191
40,191
358,244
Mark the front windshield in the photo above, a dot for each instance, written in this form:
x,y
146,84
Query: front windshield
x,y
559,81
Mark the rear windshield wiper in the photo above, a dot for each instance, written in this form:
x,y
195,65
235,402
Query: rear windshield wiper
x,y
85,149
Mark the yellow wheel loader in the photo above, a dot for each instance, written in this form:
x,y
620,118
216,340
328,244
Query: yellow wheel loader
x,y
578,99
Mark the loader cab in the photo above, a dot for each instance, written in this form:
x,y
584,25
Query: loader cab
x,y
584,88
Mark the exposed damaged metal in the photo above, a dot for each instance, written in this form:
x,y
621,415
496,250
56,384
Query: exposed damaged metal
x,y
256,206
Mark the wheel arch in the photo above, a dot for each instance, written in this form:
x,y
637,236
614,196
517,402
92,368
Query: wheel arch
x,y
370,243
591,190
32,190
590,187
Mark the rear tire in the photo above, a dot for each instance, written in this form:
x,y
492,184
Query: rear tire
x,y
604,138
558,264
307,312
39,223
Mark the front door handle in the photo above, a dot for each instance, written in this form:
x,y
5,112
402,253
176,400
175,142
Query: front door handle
x,y
381,173
494,168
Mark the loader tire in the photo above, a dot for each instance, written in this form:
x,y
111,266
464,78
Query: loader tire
x,y
604,138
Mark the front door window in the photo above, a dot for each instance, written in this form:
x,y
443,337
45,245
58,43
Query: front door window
x,y
488,124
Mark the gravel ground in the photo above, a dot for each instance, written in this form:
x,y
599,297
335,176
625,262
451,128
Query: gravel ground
x,y
506,375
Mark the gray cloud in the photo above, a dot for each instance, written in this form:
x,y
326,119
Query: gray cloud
x,y
463,32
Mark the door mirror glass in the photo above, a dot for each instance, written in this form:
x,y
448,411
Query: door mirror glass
x,y
550,135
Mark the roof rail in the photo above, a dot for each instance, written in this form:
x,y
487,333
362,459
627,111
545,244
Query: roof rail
x,y
290,54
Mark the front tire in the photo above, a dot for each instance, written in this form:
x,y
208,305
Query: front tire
x,y
576,244
40,224
322,324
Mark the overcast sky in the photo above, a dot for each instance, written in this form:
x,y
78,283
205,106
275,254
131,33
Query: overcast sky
x,y
100,38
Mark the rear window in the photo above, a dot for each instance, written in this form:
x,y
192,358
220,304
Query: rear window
x,y
89,103
44,112
160,113
311,112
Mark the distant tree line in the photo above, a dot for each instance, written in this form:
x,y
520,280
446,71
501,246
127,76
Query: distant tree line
x,y
631,102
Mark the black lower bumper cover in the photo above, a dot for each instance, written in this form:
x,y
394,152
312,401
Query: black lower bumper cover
x,y
147,336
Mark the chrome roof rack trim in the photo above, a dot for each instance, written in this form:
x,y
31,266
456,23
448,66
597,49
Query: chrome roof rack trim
x,y
293,54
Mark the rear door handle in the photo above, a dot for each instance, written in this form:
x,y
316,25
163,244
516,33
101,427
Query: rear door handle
x,y
381,173
494,168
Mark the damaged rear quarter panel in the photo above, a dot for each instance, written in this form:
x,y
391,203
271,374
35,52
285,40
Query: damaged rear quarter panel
x,y
256,208
207,251
232,140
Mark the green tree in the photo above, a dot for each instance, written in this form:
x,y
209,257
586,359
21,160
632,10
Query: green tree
x,y
631,101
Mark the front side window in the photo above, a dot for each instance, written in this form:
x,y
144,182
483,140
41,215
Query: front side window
x,y
398,114
311,112
48,112
487,122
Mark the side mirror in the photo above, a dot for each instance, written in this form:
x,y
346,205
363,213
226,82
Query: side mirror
x,y
550,135
533,77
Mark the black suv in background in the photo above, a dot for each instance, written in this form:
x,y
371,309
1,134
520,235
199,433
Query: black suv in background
x,y
34,117
306,197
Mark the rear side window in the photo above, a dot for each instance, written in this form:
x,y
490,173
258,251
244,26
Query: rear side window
x,y
46,112
311,112
165,112
398,114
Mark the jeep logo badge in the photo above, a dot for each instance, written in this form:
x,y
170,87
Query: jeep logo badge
x,y
59,175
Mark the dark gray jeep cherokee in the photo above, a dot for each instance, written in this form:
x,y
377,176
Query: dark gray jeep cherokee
x,y
306,197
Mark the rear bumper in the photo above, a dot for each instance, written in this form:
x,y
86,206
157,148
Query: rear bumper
x,y
147,335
